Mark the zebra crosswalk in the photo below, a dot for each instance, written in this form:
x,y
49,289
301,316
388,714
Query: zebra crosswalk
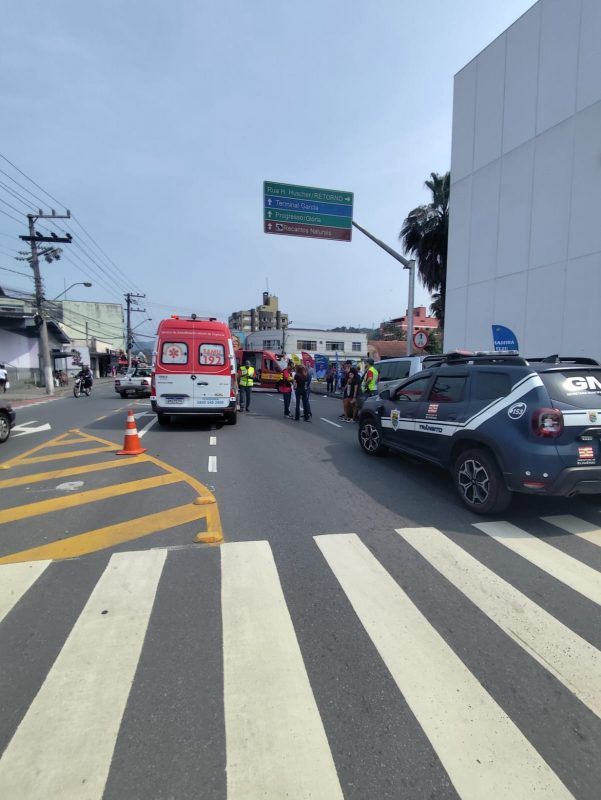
x,y
193,673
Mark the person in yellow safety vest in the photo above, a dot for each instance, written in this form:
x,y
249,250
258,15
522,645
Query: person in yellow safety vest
x,y
246,378
369,384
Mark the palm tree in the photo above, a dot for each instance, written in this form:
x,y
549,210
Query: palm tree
x,y
425,235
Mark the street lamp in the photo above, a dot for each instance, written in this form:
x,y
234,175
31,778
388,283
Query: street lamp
x,y
80,283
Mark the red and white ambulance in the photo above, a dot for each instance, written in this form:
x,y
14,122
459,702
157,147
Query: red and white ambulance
x,y
195,369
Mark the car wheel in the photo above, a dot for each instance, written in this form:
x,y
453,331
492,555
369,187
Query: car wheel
x,y
232,418
480,483
163,419
4,426
370,438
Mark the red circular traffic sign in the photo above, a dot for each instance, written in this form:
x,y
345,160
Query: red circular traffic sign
x,y
420,339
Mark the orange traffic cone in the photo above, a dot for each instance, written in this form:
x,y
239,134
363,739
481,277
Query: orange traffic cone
x,y
131,442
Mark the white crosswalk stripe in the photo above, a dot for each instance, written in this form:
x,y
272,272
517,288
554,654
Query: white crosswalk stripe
x,y
278,740
575,574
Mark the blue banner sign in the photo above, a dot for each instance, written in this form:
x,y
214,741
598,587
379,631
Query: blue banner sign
x,y
504,338
321,366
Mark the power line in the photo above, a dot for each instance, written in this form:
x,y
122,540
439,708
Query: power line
x,y
18,210
75,219
25,189
10,216
27,203
14,166
6,269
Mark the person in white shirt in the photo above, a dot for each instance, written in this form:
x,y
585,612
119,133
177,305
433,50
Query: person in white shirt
x,y
3,378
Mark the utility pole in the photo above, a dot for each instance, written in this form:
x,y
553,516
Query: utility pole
x,y
34,239
407,264
129,298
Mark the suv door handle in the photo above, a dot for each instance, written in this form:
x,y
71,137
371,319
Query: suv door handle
x,y
202,383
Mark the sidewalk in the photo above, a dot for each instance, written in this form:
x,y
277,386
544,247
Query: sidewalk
x,y
29,395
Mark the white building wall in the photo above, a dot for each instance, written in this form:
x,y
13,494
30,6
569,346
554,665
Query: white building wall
x,y
525,207
320,337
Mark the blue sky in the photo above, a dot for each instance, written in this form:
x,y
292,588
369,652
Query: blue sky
x,y
157,123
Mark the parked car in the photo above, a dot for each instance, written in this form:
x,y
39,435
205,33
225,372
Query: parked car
x,y
134,382
7,420
500,423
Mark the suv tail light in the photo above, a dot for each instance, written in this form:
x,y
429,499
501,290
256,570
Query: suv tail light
x,y
547,422
234,387
153,391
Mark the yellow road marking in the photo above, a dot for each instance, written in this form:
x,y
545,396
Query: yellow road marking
x,y
93,495
79,440
112,535
72,454
23,480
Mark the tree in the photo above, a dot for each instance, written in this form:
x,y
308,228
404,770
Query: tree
x,y
425,234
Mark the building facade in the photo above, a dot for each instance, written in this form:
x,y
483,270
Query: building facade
x,y
524,234
265,317
421,321
96,330
311,340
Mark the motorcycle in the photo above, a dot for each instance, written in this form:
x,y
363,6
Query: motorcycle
x,y
81,387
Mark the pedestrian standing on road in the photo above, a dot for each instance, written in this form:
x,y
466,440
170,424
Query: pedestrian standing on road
x,y
369,384
310,376
350,395
300,388
331,379
3,378
346,368
286,388
246,379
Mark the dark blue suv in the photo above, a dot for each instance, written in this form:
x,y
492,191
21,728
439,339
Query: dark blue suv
x,y
500,423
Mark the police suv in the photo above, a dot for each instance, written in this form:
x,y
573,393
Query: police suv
x,y
498,422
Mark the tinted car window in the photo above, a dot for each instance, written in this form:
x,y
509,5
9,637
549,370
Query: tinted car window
x,y
448,389
413,390
580,388
393,370
490,385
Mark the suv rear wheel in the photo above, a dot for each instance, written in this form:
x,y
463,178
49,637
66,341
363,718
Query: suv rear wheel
x,y
480,483
370,438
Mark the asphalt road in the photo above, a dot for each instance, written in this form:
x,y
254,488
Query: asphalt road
x,y
355,635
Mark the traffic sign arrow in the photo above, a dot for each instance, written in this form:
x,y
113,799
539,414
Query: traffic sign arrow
x,y
26,427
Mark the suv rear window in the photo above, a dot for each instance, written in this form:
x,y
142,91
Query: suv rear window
x,y
580,388
174,353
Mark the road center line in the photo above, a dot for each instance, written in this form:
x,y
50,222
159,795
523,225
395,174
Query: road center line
x,y
212,463
212,440
335,424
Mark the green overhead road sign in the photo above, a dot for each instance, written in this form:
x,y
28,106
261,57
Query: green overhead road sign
x,y
290,210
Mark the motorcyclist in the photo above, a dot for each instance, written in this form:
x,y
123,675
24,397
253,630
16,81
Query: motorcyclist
x,y
87,379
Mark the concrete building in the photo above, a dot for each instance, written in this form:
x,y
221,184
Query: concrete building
x,y
524,237
311,340
265,317
421,321
96,330
20,339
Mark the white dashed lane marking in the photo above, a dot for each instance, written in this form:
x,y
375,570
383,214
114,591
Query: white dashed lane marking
x,y
212,440
212,463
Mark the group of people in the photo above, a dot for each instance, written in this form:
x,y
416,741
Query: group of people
x,y
295,377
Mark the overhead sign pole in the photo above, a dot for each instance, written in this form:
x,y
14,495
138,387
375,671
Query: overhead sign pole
x,y
407,264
